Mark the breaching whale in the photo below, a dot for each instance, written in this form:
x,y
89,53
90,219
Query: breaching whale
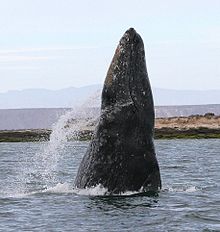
x,y
121,155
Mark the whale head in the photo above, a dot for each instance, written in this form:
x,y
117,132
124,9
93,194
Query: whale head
x,y
127,82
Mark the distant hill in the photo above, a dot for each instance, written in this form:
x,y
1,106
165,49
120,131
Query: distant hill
x,y
185,97
40,108
44,98
71,97
11,119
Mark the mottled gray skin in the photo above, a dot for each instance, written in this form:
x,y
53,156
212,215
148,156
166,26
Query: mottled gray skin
x,y
121,156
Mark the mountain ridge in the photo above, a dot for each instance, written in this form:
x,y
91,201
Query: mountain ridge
x,y
76,96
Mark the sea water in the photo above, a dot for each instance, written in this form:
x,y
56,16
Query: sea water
x,y
36,191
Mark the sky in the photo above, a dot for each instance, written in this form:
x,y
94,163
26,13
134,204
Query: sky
x,y
55,44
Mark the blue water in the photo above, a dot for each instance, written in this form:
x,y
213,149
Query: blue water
x,y
36,191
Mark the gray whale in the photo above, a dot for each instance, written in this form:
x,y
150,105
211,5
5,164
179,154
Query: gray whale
x,y
121,155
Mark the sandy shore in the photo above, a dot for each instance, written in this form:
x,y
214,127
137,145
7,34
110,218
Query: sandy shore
x,y
195,121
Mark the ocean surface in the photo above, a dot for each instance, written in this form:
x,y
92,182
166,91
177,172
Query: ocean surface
x,y
36,191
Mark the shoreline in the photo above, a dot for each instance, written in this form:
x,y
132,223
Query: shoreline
x,y
193,127
43,135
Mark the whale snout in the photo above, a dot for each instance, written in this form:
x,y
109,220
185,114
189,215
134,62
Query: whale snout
x,y
127,79
130,37
131,33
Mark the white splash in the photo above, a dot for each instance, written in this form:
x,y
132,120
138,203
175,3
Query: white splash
x,y
67,188
97,190
191,189
187,189
45,163
60,188
67,128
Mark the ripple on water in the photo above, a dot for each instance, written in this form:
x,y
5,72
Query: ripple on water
x,y
189,200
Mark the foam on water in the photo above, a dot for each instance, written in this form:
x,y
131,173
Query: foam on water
x,y
60,188
188,189
98,190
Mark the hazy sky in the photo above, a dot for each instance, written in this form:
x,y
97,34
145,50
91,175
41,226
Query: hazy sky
x,y
61,43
